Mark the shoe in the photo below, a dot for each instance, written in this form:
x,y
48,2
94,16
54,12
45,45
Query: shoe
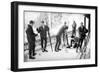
x,y
68,46
45,51
34,54
59,49
31,57
56,50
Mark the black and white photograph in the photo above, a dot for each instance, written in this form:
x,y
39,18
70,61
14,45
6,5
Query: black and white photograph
x,y
53,36
56,36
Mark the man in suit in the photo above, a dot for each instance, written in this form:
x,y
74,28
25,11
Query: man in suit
x,y
31,40
43,30
82,34
58,37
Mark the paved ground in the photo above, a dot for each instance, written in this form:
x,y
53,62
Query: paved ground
x,y
64,54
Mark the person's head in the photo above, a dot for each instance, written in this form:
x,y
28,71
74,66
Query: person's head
x,y
81,24
31,23
65,24
42,23
74,24
74,21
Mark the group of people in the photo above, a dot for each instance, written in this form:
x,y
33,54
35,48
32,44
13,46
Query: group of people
x,y
78,41
43,30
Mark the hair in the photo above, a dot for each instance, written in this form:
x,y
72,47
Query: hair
x,y
81,22
65,22
42,21
31,22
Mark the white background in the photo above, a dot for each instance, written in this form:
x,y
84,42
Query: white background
x,y
5,28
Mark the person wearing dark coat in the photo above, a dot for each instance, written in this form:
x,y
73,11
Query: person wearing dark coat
x,y
58,37
82,33
44,31
31,40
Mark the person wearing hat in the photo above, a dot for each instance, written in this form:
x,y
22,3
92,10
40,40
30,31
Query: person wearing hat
x,y
31,39
43,30
82,34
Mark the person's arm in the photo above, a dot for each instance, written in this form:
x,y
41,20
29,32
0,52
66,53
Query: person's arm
x,y
79,31
66,27
47,28
35,34
26,31
38,30
86,30
32,32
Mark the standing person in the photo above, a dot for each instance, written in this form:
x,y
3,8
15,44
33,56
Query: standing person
x,y
43,30
31,39
73,32
74,29
58,37
65,36
82,34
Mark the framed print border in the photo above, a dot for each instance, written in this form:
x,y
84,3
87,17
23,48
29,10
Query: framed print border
x,y
14,35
